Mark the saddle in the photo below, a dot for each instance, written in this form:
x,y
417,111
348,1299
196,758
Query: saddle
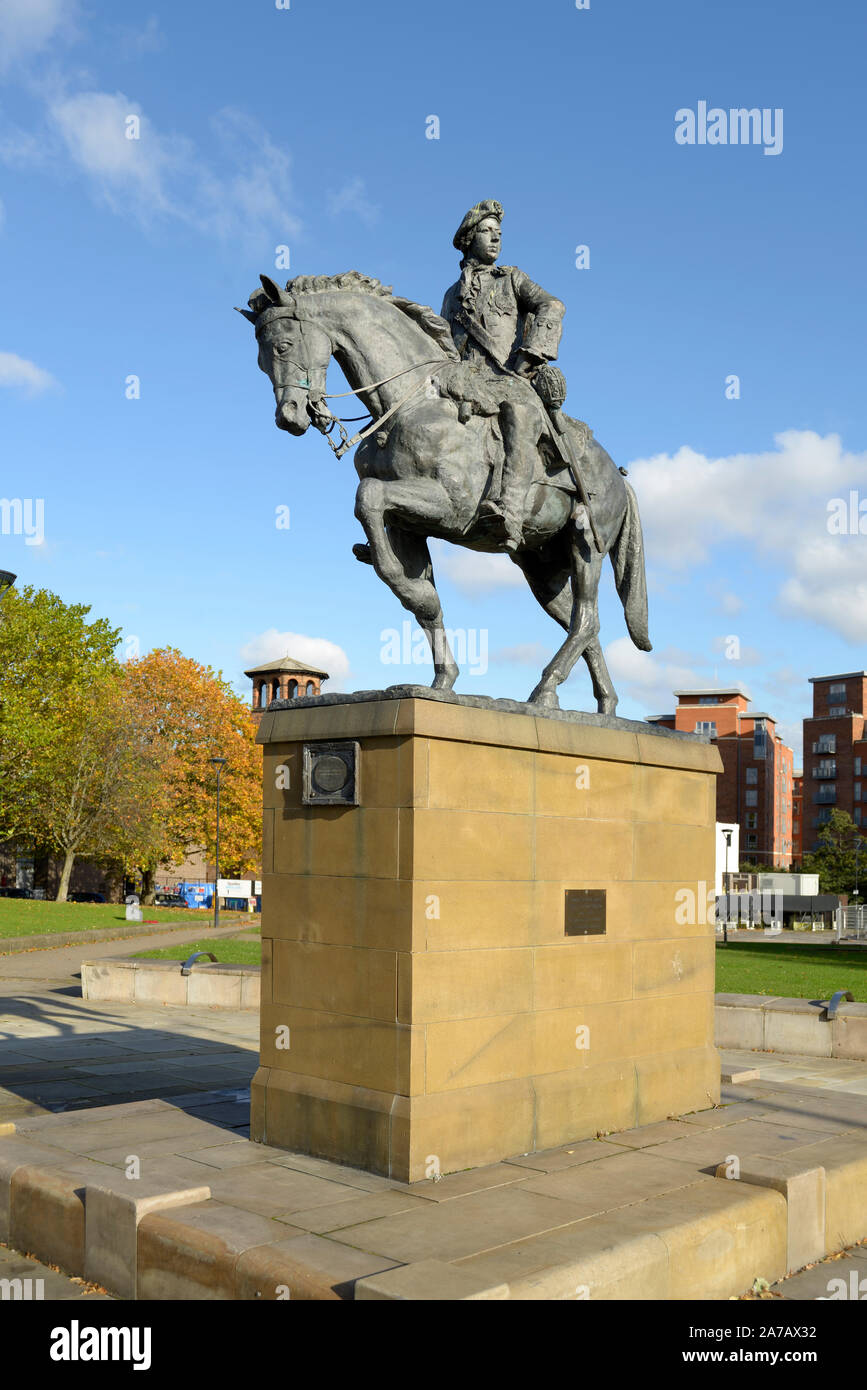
x,y
479,391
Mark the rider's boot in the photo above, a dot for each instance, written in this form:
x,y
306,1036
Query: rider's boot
x,y
520,430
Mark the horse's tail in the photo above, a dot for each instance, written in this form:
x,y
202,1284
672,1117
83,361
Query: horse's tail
x,y
627,557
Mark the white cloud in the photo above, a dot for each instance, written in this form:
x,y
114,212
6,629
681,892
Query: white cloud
x,y
18,372
525,654
778,504
829,585
731,604
691,503
27,26
647,678
319,651
243,192
93,127
352,197
133,41
475,571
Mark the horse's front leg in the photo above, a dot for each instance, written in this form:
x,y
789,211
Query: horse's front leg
x,y
401,558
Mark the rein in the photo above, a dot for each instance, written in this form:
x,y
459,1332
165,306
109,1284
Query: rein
x,y
345,442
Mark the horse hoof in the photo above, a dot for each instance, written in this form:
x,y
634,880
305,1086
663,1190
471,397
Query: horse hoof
x,y
362,553
548,699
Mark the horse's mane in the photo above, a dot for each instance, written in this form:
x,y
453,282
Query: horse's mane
x,y
431,323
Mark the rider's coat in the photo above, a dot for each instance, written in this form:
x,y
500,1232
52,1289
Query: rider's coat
x,y
495,312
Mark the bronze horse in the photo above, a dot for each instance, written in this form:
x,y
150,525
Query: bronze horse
x,y
428,471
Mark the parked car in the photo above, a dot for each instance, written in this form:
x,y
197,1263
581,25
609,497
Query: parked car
x,y
169,900
86,898
15,893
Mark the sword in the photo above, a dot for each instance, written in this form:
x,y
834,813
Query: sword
x,y
550,385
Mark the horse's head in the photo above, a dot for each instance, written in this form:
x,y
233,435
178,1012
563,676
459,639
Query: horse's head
x,y
293,353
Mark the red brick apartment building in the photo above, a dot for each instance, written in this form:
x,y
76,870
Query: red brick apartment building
x,y
835,751
755,789
797,817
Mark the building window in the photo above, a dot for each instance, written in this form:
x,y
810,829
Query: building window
x,y
823,817
857,791
752,820
752,776
293,690
836,711
708,700
309,687
706,726
751,798
752,842
857,815
857,767
838,688
827,743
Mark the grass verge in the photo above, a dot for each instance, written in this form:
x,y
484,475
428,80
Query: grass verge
x,y
792,972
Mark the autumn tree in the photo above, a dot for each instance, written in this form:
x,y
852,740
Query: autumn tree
x,y
185,714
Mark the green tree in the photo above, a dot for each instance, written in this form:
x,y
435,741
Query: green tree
x,y
834,860
59,750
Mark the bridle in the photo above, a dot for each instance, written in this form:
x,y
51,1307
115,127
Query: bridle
x,y
321,415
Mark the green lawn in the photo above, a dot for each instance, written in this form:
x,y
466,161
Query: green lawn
x,y
792,972
29,917
229,950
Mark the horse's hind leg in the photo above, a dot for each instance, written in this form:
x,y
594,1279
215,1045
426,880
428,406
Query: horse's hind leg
x,y
402,559
603,688
583,629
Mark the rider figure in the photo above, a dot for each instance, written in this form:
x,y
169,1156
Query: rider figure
x,y
500,319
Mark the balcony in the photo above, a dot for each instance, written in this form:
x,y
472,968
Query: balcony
x,y
826,796
825,770
826,745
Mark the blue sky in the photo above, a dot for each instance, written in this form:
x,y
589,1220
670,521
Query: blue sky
x,y
306,127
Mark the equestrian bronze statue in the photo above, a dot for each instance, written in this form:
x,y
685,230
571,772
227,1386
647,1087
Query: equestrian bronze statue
x,y
467,441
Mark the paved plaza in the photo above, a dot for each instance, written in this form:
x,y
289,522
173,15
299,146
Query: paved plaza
x,y
630,1214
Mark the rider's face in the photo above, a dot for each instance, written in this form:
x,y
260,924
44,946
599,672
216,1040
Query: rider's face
x,y
485,245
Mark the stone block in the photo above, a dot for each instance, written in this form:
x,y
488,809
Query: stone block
x,y
578,849
849,1032
739,1026
46,1217
304,1267
597,1260
113,1210
14,1154
582,971
673,967
584,788
335,979
213,986
796,1026
462,840
720,1236
499,781
804,1191
428,1281
435,986
161,986
191,1253
104,980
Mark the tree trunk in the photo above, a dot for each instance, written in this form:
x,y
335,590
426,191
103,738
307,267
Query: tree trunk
x,y
147,887
65,876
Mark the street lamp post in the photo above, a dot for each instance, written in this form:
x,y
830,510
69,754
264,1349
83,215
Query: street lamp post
x,y
219,764
728,839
